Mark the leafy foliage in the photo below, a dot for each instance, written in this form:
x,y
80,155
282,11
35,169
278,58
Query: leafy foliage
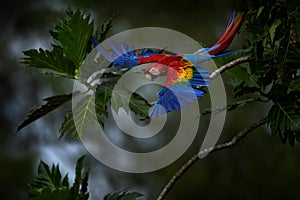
x,y
52,103
103,29
83,115
272,76
52,62
93,107
49,184
71,45
80,187
273,73
73,34
71,38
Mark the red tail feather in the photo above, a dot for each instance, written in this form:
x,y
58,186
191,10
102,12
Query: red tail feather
x,y
228,35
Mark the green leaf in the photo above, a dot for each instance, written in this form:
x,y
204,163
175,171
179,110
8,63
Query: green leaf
x,y
81,181
240,73
272,29
84,183
46,178
73,35
129,102
65,181
84,114
68,127
52,103
284,119
102,96
123,195
77,181
294,86
93,108
103,29
251,85
52,62
121,98
57,194
139,105
260,9
49,185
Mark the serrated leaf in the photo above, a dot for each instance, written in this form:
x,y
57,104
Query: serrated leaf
x,y
77,181
68,127
129,102
57,194
84,111
73,35
249,86
52,103
84,114
284,120
51,62
103,29
65,181
46,178
79,187
49,185
139,105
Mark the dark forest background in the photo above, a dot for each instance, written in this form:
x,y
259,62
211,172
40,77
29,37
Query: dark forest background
x,y
260,167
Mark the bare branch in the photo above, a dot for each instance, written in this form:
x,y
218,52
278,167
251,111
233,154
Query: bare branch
x,y
196,157
228,66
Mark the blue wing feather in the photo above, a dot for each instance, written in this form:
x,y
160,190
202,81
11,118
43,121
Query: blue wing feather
x,y
174,98
201,77
126,56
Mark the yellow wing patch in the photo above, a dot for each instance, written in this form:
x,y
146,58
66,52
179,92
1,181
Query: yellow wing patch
x,y
185,74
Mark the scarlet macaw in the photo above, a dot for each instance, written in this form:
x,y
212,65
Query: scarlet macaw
x,y
185,77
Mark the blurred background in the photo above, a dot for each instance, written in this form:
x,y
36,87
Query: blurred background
x,y
259,167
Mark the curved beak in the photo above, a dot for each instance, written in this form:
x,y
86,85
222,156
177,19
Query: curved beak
x,y
150,77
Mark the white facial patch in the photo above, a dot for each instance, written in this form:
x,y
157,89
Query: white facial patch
x,y
154,71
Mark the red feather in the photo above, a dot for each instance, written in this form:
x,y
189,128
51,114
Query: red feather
x,y
228,35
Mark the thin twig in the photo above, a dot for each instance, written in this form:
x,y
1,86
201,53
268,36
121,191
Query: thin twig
x,y
228,66
196,157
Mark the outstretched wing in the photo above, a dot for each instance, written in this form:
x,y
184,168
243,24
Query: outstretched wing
x,y
185,89
174,98
123,56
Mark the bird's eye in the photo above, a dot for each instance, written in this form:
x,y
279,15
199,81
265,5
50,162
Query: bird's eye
x,y
154,71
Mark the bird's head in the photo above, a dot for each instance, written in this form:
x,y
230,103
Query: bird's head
x,y
155,70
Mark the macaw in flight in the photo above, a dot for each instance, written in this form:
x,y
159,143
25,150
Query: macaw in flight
x,y
184,76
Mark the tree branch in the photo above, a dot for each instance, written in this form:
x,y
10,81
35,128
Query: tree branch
x,y
228,66
196,157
